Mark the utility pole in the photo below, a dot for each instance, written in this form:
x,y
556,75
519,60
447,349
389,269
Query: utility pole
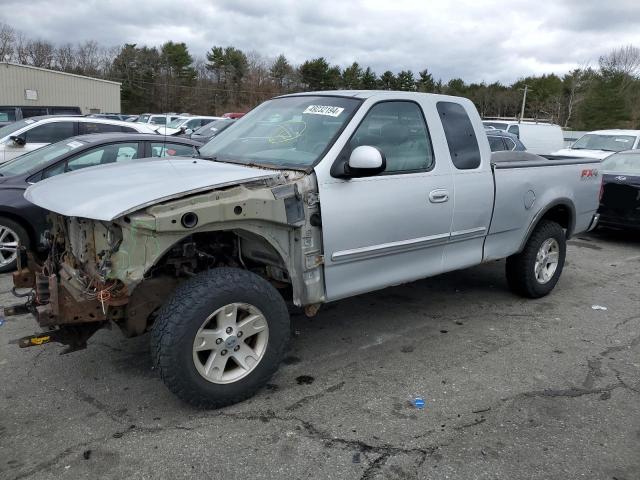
x,y
524,100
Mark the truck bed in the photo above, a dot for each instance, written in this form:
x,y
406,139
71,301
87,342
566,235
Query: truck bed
x,y
524,183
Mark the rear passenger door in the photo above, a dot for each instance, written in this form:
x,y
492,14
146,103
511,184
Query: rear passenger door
x,y
473,185
390,228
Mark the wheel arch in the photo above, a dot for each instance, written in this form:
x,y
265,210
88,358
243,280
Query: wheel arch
x,y
562,211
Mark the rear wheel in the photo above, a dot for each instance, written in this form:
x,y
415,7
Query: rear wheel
x,y
534,272
220,337
11,233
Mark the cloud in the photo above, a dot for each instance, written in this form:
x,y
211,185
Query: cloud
x,y
477,41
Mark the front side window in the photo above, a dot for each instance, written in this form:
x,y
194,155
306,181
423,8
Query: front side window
x,y
102,155
607,143
398,129
50,132
515,129
461,137
288,132
162,149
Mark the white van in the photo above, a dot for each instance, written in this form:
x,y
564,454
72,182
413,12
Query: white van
x,y
539,138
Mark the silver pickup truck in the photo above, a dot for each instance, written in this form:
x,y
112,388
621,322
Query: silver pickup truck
x,y
309,198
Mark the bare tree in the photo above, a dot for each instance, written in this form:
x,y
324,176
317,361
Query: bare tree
x,y
65,58
88,58
40,53
7,42
622,60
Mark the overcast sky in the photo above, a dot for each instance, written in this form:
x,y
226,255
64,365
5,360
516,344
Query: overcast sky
x,y
473,39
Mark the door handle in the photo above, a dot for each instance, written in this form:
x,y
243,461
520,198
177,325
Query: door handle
x,y
438,196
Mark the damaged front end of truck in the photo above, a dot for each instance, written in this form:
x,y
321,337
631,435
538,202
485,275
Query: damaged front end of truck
x,y
104,272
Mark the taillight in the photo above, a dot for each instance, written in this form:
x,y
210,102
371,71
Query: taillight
x,y
601,189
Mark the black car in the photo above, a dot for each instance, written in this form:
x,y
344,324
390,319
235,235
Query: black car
x,y
211,129
22,221
620,198
500,141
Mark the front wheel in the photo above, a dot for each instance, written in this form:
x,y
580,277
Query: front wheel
x,y
534,272
11,234
220,337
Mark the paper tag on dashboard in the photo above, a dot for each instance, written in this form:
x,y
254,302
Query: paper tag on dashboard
x,y
324,110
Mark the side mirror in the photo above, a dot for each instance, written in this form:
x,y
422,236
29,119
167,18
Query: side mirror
x,y
187,131
19,140
364,161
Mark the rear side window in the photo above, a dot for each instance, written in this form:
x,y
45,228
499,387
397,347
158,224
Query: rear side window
x,y
90,127
50,132
33,111
7,114
461,138
162,149
496,144
64,111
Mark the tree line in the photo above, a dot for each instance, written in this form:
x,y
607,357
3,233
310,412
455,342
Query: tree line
x,y
169,78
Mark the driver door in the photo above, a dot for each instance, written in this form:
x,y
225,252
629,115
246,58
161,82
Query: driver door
x,y
390,228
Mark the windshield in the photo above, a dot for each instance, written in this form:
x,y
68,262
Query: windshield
x,y
608,143
213,128
177,122
9,129
627,162
497,125
38,158
289,132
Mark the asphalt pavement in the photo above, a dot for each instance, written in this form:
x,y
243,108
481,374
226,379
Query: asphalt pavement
x,y
513,389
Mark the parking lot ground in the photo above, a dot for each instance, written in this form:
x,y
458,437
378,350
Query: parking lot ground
x,y
513,389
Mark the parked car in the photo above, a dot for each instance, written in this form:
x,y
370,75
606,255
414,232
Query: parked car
x,y
210,130
602,143
539,137
233,115
110,116
157,120
30,134
335,194
23,221
500,141
620,199
10,114
184,125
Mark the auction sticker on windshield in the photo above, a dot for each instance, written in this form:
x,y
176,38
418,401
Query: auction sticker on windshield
x,y
324,110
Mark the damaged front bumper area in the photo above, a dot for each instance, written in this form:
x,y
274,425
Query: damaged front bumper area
x,y
63,306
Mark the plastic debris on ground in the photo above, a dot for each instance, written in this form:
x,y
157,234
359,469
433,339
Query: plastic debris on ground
x,y
598,307
419,403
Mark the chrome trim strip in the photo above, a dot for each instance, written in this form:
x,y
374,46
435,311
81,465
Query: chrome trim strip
x,y
461,235
389,248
